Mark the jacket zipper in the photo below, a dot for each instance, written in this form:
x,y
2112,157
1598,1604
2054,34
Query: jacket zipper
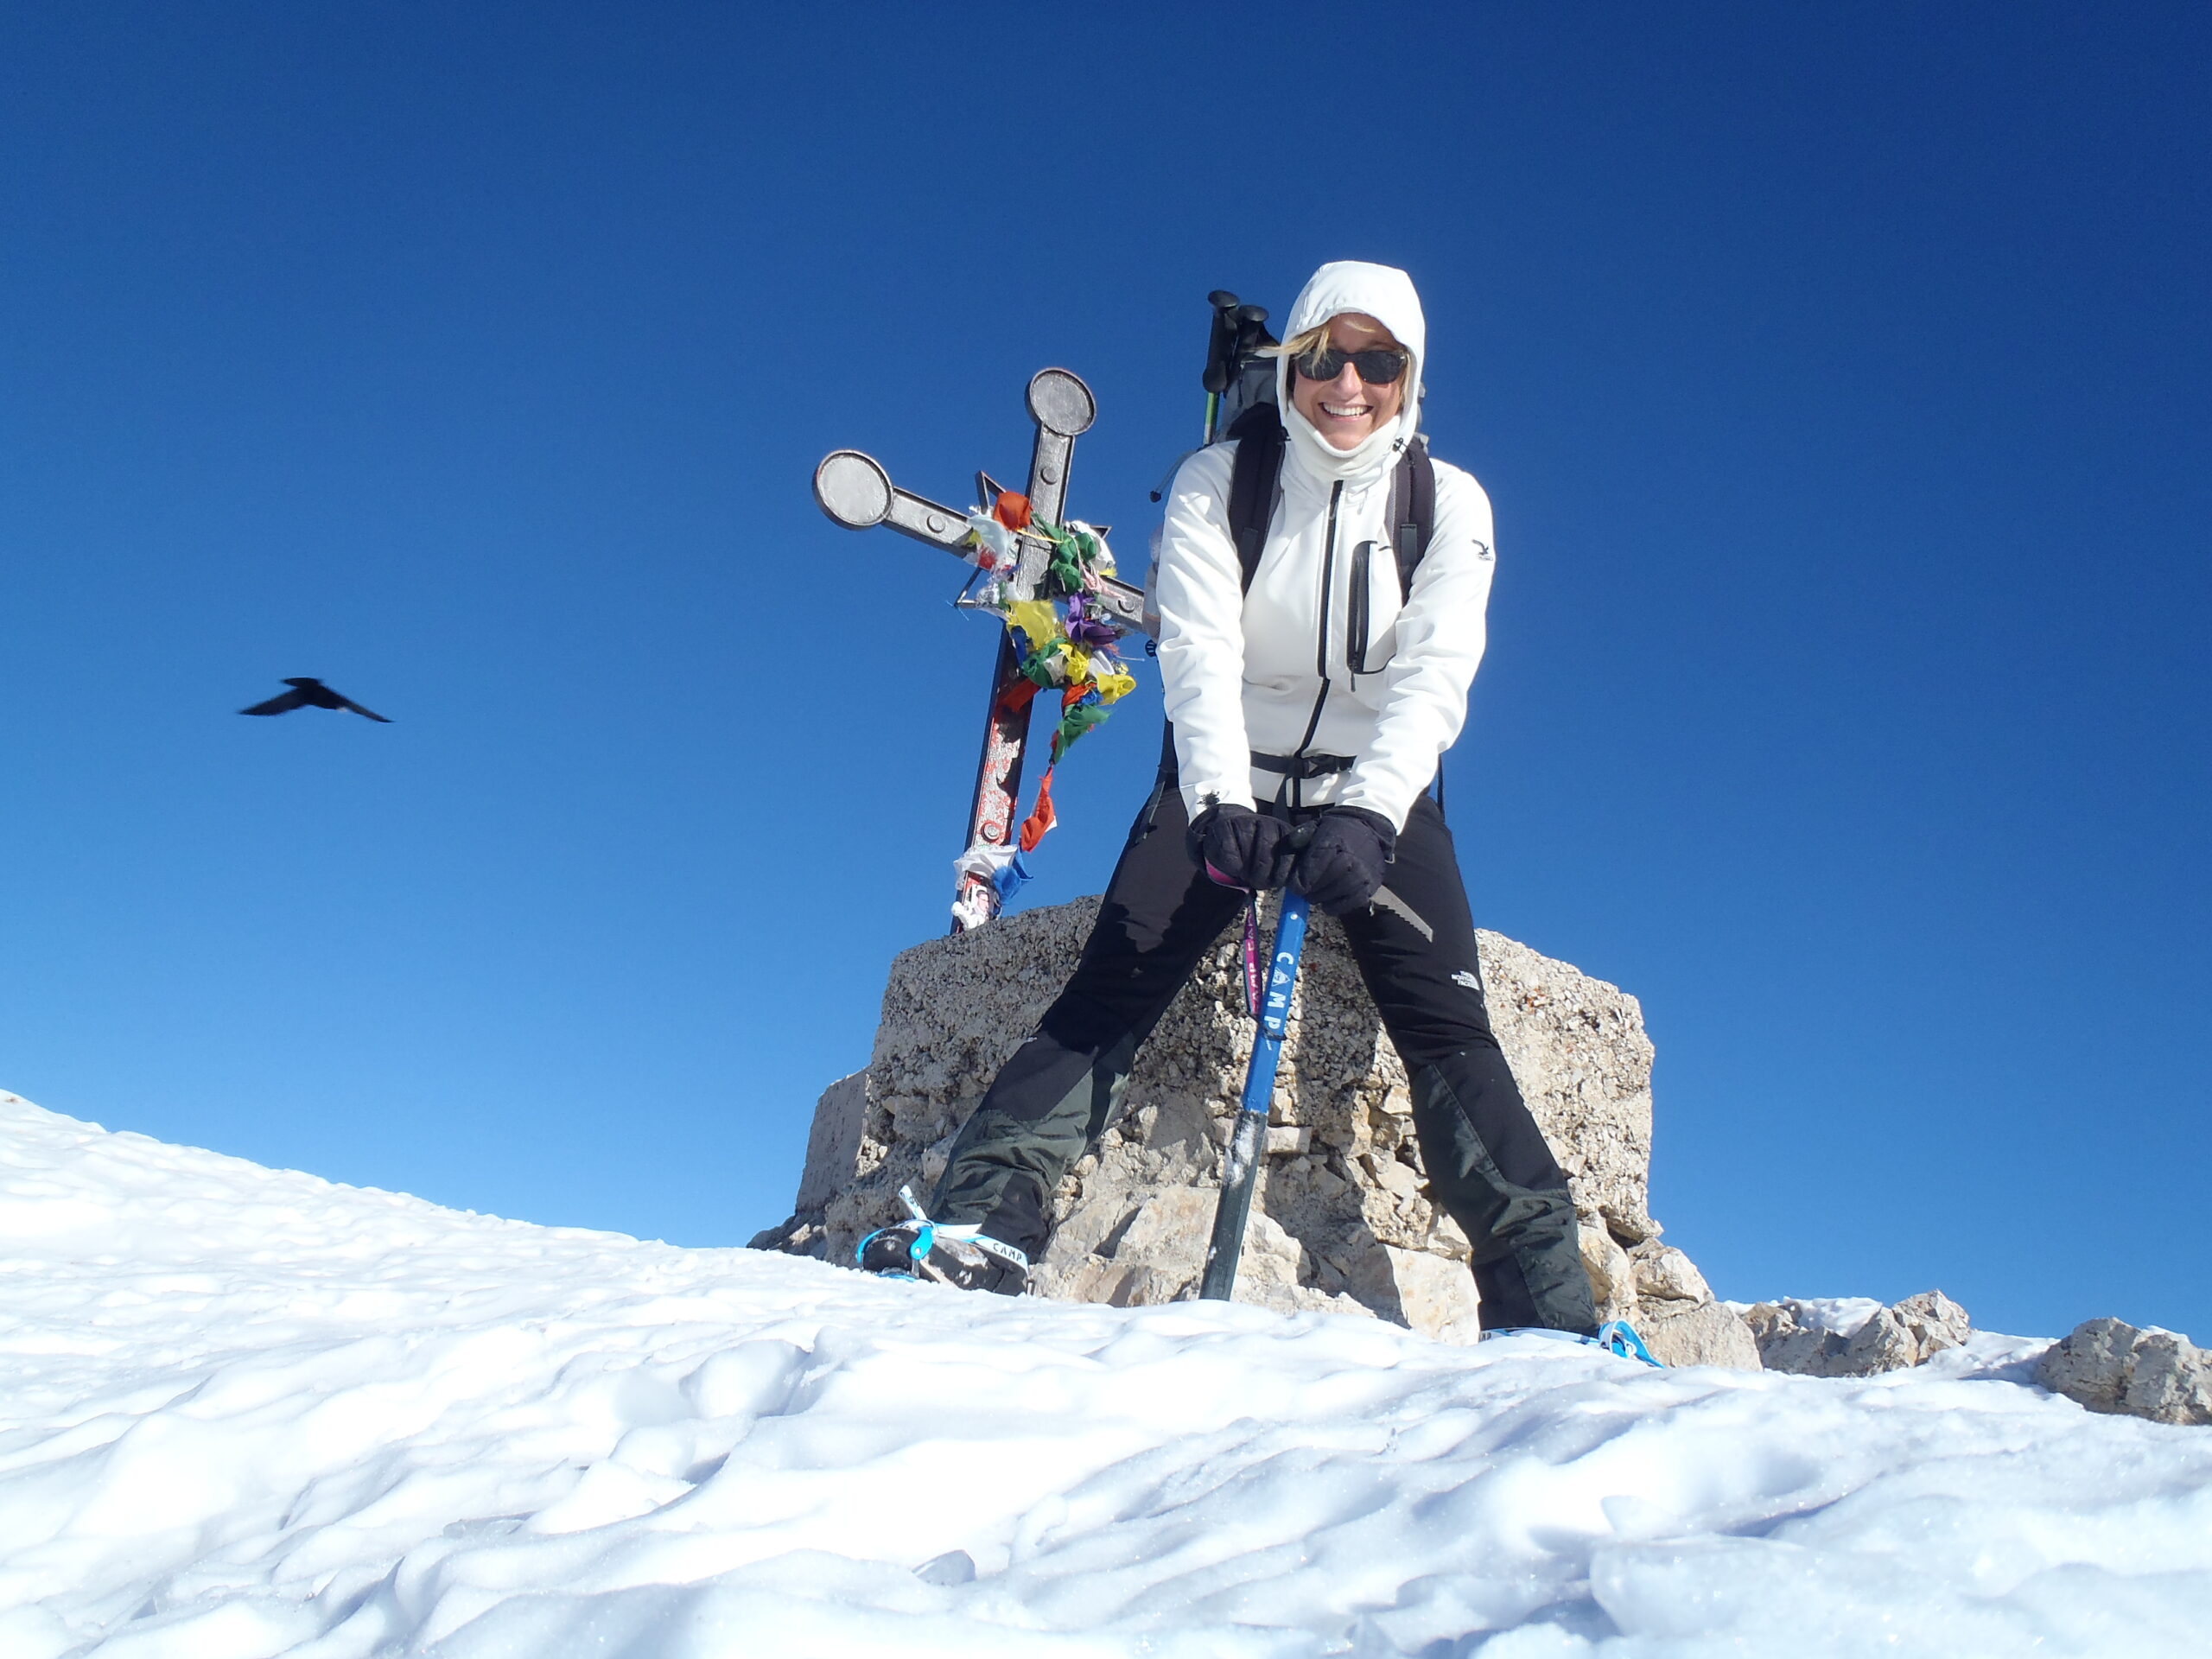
x,y
1328,584
1297,785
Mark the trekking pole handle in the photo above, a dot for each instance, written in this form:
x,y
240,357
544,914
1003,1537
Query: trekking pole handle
x,y
1221,343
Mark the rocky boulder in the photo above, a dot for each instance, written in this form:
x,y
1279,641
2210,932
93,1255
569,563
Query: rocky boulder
x,y
1342,1221
1808,1339
2111,1366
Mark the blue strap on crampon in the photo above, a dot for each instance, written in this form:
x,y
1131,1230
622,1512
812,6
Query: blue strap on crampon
x,y
1616,1336
917,1247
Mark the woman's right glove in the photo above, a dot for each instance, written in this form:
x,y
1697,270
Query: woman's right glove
x,y
1240,848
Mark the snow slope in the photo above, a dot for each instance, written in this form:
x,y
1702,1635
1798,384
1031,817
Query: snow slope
x,y
245,1413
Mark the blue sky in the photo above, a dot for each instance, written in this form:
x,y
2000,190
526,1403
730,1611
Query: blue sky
x,y
1839,376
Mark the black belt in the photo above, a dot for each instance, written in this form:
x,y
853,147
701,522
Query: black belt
x,y
1304,766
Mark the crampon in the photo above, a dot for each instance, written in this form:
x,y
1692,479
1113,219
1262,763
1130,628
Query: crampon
x,y
956,1254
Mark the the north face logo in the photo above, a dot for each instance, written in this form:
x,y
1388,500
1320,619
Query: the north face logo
x,y
1465,976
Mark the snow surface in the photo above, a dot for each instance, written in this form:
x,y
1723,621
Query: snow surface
x,y
1845,1315
245,1413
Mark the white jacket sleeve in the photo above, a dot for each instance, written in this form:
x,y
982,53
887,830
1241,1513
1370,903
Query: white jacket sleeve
x,y
1441,631
1200,590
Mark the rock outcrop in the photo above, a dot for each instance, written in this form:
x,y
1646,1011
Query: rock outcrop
x,y
1792,1337
2112,1367
1342,1221
1675,1312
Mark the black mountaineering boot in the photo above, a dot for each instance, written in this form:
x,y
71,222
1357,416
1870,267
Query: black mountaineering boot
x,y
959,1255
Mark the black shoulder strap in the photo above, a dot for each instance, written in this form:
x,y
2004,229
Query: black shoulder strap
x,y
1260,439
1416,524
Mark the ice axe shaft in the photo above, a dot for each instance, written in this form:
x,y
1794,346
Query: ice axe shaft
x,y
1247,1136
1247,1140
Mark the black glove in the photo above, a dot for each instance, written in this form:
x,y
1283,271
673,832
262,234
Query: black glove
x,y
1343,865
1240,848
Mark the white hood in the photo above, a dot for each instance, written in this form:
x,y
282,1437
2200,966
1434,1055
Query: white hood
x,y
1387,295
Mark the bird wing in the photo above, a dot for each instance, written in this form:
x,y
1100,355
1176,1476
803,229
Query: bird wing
x,y
283,703
357,707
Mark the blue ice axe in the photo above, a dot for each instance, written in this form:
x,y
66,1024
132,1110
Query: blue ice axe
x,y
1248,1141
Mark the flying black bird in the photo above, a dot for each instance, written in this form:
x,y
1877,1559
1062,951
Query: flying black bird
x,y
306,694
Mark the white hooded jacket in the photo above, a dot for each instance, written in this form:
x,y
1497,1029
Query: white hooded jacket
x,y
1283,670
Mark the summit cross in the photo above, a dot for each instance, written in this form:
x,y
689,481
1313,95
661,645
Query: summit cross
x,y
855,491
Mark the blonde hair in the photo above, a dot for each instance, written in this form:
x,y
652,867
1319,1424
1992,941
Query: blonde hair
x,y
1316,339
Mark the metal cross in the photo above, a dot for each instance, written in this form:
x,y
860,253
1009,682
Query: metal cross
x,y
857,491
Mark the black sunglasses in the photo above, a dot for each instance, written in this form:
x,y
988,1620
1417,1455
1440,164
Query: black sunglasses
x,y
1380,367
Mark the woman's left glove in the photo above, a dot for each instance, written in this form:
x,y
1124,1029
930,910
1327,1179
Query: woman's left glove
x,y
1343,865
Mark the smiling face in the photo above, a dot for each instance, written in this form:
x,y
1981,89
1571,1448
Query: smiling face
x,y
1346,409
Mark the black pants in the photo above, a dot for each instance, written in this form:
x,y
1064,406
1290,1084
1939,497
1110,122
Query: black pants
x,y
1486,1160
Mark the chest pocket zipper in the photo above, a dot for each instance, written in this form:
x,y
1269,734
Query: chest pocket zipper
x,y
1357,617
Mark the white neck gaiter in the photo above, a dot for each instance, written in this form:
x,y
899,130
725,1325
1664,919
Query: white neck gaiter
x,y
1318,456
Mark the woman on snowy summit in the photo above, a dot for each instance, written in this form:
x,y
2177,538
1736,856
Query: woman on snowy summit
x,y
1317,695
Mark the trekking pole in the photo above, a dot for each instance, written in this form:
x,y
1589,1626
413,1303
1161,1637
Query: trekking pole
x,y
1221,355
1234,343
1247,1141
